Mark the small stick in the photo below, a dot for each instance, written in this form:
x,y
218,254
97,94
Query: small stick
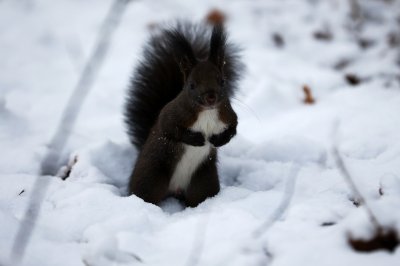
x,y
283,205
345,173
50,161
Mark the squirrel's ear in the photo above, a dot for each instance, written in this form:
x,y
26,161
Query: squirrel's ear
x,y
217,46
182,49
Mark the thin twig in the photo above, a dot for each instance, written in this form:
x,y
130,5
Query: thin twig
x,y
51,160
347,176
256,234
345,173
283,205
355,12
198,245
356,18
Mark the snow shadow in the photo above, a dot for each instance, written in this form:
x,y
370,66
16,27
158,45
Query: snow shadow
x,y
243,166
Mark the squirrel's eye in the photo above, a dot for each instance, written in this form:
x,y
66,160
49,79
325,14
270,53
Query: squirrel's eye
x,y
222,82
191,86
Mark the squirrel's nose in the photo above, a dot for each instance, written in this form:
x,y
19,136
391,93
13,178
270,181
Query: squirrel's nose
x,y
210,98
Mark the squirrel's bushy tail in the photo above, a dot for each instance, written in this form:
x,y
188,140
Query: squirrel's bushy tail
x,y
158,78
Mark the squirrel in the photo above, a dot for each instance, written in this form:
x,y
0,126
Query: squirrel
x,y
178,112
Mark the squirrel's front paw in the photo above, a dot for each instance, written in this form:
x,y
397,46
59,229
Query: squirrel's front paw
x,y
193,138
218,140
221,139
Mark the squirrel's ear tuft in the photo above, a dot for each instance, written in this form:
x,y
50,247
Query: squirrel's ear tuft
x,y
217,46
183,53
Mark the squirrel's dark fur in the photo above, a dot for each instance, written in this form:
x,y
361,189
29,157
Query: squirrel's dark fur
x,y
178,111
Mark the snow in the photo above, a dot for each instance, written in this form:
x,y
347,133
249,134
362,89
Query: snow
x,y
283,200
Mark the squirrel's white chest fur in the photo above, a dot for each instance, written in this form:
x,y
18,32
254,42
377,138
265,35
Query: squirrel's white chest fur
x,y
208,123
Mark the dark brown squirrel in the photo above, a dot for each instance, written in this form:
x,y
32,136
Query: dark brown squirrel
x,y
178,112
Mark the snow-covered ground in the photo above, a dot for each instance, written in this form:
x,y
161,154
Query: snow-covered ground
x,y
283,200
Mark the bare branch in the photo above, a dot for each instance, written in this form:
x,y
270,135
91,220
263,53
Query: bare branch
x,y
345,173
356,13
198,245
51,160
283,205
